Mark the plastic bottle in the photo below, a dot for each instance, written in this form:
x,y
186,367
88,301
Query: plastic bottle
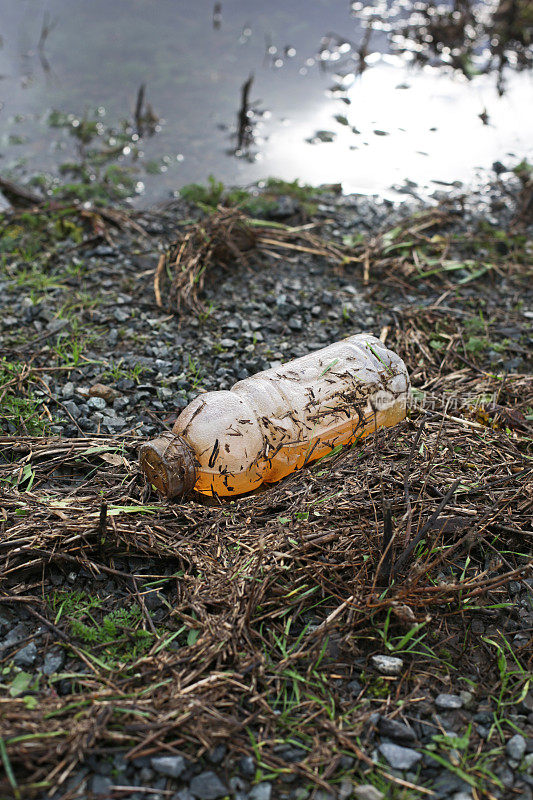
x,y
273,423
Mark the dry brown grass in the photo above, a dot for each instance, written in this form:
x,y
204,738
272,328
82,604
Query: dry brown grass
x,y
226,239
308,551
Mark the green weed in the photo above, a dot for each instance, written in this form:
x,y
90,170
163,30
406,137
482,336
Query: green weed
x,y
20,411
194,373
252,202
117,636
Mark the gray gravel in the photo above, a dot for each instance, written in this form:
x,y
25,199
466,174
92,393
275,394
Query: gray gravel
x,y
399,757
516,747
448,701
172,766
207,786
387,665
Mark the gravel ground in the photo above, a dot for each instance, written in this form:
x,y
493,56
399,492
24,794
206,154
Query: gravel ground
x,y
100,325
156,363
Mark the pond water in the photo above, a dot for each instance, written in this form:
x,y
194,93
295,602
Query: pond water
x,y
329,101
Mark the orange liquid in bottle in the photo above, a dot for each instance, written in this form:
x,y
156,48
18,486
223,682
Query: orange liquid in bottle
x,y
280,420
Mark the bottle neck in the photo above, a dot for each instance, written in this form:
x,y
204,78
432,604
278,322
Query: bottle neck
x,y
169,463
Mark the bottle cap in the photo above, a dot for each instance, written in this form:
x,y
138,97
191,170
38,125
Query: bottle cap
x,y
168,462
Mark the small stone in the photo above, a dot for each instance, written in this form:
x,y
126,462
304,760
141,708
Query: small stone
x,y
354,687
98,403
26,657
396,730
153,600
146,774
14,636
53,661
236,785
462,796
467,698
247,766
387,665
115,422
506,776
345,789
121,315
172,766
516,747
447,784
207,786
261,791
71,408
68,390
399,757
290,754
448,701
216,755
183,794
104,250
101,784
346,762
368,792
106,392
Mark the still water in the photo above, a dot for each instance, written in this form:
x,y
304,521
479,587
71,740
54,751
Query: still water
x,y
330,102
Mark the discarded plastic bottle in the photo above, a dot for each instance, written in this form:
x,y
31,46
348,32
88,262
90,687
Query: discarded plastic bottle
x,y
273,423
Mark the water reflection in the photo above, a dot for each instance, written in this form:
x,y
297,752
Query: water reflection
x,y
327,102
410,124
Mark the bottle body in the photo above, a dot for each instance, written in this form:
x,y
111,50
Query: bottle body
x,y
278,421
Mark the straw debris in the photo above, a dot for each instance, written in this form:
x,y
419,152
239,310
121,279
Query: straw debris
x,y
268,600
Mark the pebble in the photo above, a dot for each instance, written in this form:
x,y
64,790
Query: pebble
x,y
207,786
467,699
183,794
261,791
447,783
121,315
290,754
172,766
71,408
53,661
505,775
14,636
98,403
516,747
101,784
387,665
448,701
396,730
216,755
399,757
236,785
367,792
345,789
107,393
26,657
247,766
